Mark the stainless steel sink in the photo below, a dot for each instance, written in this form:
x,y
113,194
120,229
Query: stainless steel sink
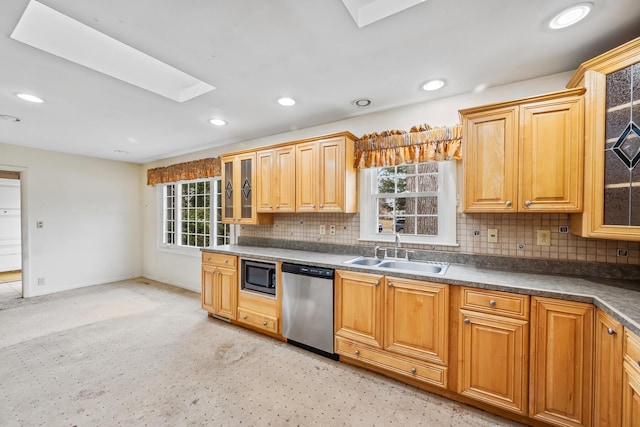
x,y
395,264
423,267
363,260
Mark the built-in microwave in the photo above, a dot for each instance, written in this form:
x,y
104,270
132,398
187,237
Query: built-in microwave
x,y
258,276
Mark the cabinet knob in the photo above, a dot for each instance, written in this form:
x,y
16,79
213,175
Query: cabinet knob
x,y
390,284
321,206
377,282
413,370
508,203
208,258
467,321
218,273
277,206
264,323
611,331
226,261
639,363
492,303
244,317
527,203
357,352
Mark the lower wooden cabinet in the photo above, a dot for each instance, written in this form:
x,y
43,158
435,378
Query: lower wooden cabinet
x,y
219,284
258,320
631,381
561,362
399,325
261,313
609,335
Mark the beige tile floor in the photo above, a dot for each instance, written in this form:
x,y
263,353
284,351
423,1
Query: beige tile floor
x,y
144,354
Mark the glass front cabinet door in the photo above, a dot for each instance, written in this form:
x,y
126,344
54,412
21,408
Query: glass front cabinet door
x,y
239,197
612,144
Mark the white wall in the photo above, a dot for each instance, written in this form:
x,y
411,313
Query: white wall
x,y
184,271
91,212
10,254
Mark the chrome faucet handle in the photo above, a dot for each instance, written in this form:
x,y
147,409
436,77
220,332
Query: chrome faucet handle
x,y
397,240
407,253
376,248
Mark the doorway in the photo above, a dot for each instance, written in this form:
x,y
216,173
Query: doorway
x,y
10,236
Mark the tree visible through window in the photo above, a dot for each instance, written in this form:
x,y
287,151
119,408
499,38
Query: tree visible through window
x,y
192,215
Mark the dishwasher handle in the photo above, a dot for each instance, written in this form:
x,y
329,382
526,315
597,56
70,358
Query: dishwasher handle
x,y
308,270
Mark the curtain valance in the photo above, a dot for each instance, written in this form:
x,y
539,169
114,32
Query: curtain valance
x,y
423,143
197,169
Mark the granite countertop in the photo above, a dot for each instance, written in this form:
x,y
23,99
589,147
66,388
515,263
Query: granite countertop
x,y
619,298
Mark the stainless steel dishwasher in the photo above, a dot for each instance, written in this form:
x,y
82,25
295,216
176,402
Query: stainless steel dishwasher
x,y
307,307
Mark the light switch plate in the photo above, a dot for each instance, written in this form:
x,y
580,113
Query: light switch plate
x,y
492,235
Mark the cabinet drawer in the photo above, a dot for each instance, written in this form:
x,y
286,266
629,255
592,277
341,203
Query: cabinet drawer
x,y
494,302
258,320
632,349
219,259
425,372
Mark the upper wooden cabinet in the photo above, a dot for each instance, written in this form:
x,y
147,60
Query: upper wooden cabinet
x,y
276,180
525,155
325,176
238,192
612,136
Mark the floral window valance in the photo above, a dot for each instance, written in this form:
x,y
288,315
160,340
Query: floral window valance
x,y
203,168
395,147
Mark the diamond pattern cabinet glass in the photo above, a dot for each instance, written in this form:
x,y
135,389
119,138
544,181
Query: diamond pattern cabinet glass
x,y
608,371
494,360
489,160
358,307
561,362
416,319
612,190
239,176
551,155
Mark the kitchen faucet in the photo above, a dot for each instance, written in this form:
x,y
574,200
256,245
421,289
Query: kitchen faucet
x,y
395,252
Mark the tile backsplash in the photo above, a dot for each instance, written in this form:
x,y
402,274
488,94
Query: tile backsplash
x,y
517,236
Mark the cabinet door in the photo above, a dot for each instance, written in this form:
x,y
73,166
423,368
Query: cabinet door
x,y
208,286
331,167
561,370
608,371
307,179
493,360
551,155
226,288
285,179
358,307
416,319
489,160
265,189
631,396
228,190
245,194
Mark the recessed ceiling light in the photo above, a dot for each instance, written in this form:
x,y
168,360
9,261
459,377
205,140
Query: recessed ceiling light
x,y
433,85
217,122
30,98
362,102
571,15
120,152
9,118
286,102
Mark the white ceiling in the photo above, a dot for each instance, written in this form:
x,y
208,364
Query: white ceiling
x,y
255,51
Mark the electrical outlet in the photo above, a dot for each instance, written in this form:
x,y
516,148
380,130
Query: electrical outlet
x,y
322,230
544,238
332,229
563,229
40,281
492,235
40,224
623,253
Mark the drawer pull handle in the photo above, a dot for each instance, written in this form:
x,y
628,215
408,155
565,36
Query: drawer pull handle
x,y
508,203
264,323
244,317
226,261
467,321
492,303
638,363
357,352
611,331
413,370
208,258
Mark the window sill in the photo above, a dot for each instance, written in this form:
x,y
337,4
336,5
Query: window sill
x,y
180,250
409,241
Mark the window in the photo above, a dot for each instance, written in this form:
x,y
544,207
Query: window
x,y
416,201
192,213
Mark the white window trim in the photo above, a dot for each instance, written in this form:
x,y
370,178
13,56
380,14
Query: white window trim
x,y
179,249
447,233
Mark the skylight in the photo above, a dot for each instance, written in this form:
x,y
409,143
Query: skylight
x,y
365,12
53,32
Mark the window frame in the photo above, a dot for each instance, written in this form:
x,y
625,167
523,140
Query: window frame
x,y
447,209
214,207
